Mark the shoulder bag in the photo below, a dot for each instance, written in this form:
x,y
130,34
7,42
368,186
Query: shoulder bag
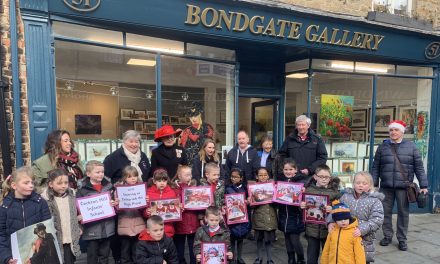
x,y
412,189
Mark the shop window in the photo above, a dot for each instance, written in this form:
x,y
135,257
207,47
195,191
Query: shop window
x,y
414,70
398,7
155,44
210,52
87,33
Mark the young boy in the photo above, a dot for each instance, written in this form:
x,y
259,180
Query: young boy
x,y
341,246
98,234
154,246
212,232
212,175
320,183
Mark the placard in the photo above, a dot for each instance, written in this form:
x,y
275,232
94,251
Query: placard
x,y
289,193
131,197
236,209
95,207
197,198
168,209
261,193
213,253
315,211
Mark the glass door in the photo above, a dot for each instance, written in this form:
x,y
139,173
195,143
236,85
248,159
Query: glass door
x,y
264,121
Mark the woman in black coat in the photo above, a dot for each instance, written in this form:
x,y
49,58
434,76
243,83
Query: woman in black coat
x,y
206,155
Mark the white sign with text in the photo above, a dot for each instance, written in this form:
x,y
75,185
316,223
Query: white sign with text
x,y
95,207
131,196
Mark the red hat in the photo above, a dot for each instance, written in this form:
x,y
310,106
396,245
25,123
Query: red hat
x,y
399,124
166,131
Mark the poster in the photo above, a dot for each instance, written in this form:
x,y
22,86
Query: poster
x,y
168,209
315,211
236,209
131,196
289,193
261,193
197,198
95,207
335,119
36,244
213,253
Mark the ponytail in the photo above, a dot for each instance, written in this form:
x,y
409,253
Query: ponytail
x,y
14,177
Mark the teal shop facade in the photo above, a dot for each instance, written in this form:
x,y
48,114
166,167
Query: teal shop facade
x,y
263,45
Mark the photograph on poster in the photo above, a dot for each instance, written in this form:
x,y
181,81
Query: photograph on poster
x,y
197,198
214,253
131,196
225,151
236,209
261,193
289,193
315,211
168,209
95,207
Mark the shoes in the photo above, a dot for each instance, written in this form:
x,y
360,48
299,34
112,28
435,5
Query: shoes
x,y
385,242
258,261
270,262
240,261
403,246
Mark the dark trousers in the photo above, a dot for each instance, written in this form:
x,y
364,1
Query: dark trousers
x,y
69,258
237,247
293,244
98,249
314,246
128,249
402,213
179,241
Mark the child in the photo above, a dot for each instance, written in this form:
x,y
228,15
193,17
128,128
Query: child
x,y
290,218
241,230
130,222
212,232
212,174
159,188
98,233
154,246
20,206
62,205
185,229
264,222
365,204
320,183
341,246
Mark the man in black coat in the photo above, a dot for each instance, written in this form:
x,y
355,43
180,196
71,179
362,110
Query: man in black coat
x,y
305,147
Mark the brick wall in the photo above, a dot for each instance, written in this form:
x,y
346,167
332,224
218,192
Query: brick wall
x,y
428,10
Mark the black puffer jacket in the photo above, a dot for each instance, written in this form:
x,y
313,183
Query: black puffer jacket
x,y
247,161
117,161
198,167
386,169
308,154
149,251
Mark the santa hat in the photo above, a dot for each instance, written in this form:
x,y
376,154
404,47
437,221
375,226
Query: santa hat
x,y
399,124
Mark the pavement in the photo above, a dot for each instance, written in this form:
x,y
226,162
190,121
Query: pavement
x,y
423,245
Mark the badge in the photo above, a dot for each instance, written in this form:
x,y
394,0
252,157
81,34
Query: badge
x,y
178,153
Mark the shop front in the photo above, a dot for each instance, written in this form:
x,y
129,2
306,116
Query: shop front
x,y
98,68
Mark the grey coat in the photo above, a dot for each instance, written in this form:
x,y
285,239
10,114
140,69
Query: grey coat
x,y
48,195
368,210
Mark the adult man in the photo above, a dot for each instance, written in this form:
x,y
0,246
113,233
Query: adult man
x,y
304,146
395,163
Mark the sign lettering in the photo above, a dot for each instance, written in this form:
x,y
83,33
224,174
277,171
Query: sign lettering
x,y
432,51
83,5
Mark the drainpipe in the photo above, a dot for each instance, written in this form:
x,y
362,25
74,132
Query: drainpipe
x,y
15,83
4,132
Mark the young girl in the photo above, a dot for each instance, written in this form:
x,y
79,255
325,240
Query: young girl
x,y
290,219
185,230
241,230
20,206
61,201
365,204
264,222
159,188
130,222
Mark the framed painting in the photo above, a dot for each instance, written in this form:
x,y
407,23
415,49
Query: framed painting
x,y
315,211
358,135
138,126
236,209
88,124
149,146
151,115
359,119
348,166
197,198
97,150
383,117
174,120
289,193
126,113
213,253
408,115
344,149
225,151
182,120
168,209
261,193
140,114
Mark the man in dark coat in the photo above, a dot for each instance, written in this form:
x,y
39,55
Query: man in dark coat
x,y
394,157
304,147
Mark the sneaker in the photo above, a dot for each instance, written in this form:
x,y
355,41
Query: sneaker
x,y
403,246
385,242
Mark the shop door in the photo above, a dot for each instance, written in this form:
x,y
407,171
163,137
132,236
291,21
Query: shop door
x,y
264,121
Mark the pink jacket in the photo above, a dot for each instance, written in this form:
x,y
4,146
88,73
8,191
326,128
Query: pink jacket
x,y
130,223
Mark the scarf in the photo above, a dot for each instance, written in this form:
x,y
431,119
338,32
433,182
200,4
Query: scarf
x,y
69,162
135,159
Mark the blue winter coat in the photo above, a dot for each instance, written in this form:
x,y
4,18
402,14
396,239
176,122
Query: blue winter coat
x,y
242,229
290,218
386,169
16,214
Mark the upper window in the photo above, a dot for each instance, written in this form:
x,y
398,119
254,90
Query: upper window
x,y
398,7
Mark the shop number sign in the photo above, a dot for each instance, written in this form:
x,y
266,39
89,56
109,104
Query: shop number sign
x,y
83,5
432,51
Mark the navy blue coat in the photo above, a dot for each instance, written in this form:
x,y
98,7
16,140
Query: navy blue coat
x,y
242,229
290,218
387,170
115,162
248,162
16,214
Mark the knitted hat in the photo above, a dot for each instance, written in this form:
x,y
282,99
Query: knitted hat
x,y
340,211
399,124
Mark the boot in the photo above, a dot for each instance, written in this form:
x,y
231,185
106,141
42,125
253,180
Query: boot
x,y
291,258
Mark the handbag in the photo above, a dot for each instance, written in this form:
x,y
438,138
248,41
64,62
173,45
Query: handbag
x,y
412,189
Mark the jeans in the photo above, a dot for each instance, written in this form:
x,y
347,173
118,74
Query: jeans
x,y
98,249
314,246
402,213
179,241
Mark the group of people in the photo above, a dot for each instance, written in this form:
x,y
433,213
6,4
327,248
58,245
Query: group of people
x,y
137,236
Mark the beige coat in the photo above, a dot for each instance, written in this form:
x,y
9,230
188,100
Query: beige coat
x,y
130,223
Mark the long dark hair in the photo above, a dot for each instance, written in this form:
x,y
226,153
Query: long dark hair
x,y
52,146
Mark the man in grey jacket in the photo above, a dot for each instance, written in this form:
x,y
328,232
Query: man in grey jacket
x,y
393,184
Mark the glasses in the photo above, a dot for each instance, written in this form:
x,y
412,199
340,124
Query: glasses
x,y
322,177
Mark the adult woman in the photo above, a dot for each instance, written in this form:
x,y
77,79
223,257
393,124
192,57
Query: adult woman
x,y
268,156
206,155
128,154
168,155
58,153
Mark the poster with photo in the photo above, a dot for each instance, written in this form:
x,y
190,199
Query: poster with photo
x,y
36,244
95,207
225,151
315,211
131,197
289,193
168,209
197,198
214,253
236,209
261,193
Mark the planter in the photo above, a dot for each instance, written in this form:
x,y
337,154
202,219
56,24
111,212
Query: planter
x,y
399,20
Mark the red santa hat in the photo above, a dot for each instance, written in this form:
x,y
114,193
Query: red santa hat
x,y
399,124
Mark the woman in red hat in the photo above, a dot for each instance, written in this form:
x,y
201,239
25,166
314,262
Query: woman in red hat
x,y
168,155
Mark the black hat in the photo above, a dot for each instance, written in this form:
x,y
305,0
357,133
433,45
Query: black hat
x,y
195,110
39,227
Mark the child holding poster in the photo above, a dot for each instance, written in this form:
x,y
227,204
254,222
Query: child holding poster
x,y
61,201
97,233
130,222
20,206
212,175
